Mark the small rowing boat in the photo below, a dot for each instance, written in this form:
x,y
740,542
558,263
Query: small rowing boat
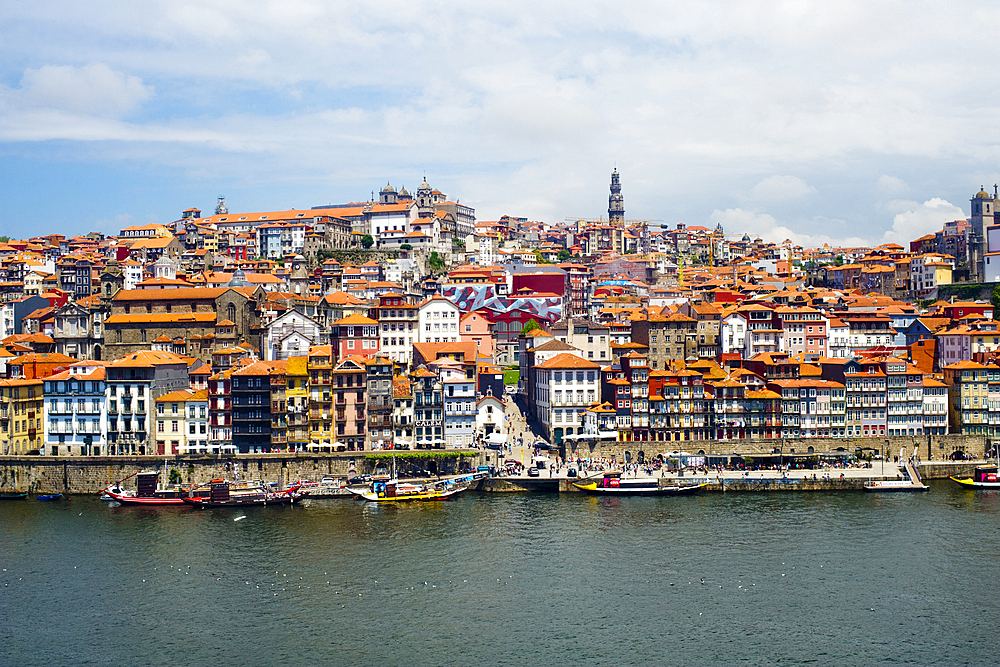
x,y
615,484
13,495
52,497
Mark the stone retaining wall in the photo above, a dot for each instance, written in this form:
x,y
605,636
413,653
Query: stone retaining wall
x,y
929,447
93,474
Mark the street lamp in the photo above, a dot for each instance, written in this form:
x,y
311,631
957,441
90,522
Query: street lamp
x,y
883,457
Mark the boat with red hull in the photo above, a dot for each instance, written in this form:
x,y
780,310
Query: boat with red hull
x,y
148,492
223,493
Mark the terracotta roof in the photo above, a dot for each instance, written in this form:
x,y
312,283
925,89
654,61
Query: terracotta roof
x,y
566,360
356,319
146,358
186,293
162,318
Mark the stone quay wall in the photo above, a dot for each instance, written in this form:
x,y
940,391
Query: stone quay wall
x,y
93,474
929,447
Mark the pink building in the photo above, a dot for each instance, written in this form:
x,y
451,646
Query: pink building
x,y
355,335
474,328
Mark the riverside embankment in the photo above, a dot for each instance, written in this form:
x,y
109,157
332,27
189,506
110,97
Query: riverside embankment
x,y
826,479
82,475
93,474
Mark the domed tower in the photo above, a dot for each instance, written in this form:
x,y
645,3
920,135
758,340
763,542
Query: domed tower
x,y
387,195
616,203
983,211
404,197
425,201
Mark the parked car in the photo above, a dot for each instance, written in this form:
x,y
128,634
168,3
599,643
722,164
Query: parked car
x,y
533,472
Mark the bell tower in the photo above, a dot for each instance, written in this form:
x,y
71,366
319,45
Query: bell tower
x,y
616,203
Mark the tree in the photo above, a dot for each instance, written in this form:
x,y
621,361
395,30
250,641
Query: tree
x,y
435,261
405,246
367,241
4,239
564,254
458,243
838,260
995,302
532,325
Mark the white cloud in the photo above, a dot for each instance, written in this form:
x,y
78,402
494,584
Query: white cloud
x,y
780,188
921,219
740,221
92,89
703,106
891,185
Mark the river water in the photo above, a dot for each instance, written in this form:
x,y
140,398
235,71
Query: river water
x,y
825,578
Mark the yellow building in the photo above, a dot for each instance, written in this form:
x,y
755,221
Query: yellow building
x,y
968,397
297,398
21,417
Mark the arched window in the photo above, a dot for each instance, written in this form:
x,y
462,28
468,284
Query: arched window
x,y
118,336
231,311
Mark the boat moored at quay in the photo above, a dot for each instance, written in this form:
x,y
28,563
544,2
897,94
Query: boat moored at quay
x,y
982,477
148,491
616,484
396,491
223,493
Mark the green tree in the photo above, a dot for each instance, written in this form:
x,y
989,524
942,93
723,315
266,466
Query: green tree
x,y
367,241
838,260
436,262
529,327
4,239
405,246
995,302
564,254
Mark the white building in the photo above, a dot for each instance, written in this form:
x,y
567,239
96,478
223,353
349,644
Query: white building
x,y
132,274
290,335
490,411
733,335
838,341
75,419
488,248
935,407
438,321
565,386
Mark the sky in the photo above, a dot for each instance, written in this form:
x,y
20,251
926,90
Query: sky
x,y
849,122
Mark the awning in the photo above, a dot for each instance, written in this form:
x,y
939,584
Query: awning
x,y
496,439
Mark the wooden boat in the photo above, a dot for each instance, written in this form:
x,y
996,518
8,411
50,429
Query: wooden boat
x,y
394,491
983,477
13,495
50,497
614,484
148,492
223,493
